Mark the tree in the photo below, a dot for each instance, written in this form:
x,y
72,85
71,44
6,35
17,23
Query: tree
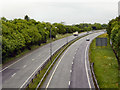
x,y
26,18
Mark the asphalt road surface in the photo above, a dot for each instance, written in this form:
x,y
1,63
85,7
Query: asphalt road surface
x,y
72,69
18,73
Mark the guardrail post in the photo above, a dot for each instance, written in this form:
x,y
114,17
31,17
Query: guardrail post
x,y
36,75
32,80
28,86
39,71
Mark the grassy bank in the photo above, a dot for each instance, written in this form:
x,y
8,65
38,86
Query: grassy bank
x,y
105,64
34,47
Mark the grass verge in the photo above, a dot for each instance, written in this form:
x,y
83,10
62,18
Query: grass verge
x,y
105,64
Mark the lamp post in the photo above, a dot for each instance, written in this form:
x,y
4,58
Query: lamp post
x,y
67,36
50,46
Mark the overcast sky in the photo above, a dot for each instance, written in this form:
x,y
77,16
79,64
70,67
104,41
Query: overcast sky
x,y
68,11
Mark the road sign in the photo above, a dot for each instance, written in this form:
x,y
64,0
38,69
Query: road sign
x,y
101,41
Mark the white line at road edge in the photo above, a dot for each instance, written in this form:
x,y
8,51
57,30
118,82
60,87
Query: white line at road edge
x,y
34,72
86,66
57,67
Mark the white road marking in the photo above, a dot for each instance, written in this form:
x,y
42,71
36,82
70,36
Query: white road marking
x,y
73,57
33,59
56,68
72,62
15,62
24,66
86,66
75,53
13,75
70,71
33,73
69,83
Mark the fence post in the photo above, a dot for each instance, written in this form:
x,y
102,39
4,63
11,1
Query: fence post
x,y
28,86
32,80
36,75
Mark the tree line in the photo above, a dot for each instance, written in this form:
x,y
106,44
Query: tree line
x,y
113,31
20,34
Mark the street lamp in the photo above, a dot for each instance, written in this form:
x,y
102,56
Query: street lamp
x,y
67,36
50,46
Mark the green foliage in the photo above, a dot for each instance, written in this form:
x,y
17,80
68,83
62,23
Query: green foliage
x,y
113,30
21,34
105,64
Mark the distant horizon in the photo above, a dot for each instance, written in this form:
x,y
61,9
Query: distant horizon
x,y
56,22
71,12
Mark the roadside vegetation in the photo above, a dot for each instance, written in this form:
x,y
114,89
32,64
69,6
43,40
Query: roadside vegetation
x,y
21,35
113,31
105,64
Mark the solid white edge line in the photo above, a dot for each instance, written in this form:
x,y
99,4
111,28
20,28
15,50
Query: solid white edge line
x,y
56,68
31,75
86,66
34,72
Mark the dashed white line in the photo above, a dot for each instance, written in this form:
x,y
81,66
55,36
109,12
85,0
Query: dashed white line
x,y
70,71
13,75
34,72
33,59
72,62
24,66
15,62
56,68
69,83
